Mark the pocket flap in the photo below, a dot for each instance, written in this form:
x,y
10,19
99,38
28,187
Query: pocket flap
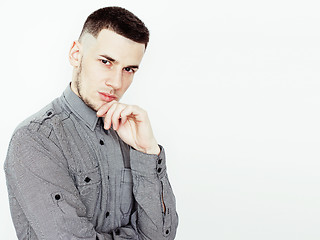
x,y
87,178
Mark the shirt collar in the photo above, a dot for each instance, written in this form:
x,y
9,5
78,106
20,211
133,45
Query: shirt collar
x,y
79,108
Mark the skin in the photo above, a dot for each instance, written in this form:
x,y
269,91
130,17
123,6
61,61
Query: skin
x,y
112,73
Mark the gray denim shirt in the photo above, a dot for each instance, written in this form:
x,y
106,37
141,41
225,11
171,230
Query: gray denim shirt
x,y
68,178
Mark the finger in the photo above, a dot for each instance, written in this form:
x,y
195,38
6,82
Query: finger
x,y
107,119
126,114
116,115
123,118
134,111
104,108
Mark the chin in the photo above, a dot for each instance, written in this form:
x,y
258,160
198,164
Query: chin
x,y
91,104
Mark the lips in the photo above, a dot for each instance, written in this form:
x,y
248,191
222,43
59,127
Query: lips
x,y
106,97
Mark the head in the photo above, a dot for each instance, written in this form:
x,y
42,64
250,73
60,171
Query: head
x,y
107,55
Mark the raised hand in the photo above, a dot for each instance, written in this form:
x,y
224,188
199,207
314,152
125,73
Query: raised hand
x,y
132,125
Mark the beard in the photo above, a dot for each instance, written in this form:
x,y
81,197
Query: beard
x,y
79,87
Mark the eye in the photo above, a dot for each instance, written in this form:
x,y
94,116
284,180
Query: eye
x,y
105,61
129,70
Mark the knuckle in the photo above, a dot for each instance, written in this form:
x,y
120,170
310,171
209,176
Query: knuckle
x,y
143,111
140,109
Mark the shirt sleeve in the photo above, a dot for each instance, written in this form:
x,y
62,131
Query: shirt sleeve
x,y
156,216
40,186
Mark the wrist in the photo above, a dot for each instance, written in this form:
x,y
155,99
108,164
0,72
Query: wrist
x,y
154,150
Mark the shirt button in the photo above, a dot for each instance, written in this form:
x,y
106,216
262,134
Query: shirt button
x,y
107,214
167,232
49,113
101,142
159,161
57,196
87,179
159,170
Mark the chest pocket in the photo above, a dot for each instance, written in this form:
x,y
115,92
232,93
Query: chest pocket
x,y
89,186
126,195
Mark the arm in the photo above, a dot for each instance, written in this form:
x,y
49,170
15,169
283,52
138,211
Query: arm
x,y
43,194
156,216
156,207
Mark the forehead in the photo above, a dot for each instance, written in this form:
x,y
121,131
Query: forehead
x,y
116,46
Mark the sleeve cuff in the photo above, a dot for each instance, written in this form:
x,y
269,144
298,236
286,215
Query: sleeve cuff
x,y
148,164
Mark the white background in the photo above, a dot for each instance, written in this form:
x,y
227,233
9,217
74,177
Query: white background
x,y
232,89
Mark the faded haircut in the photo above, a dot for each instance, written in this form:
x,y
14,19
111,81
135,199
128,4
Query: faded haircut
x,y
119,20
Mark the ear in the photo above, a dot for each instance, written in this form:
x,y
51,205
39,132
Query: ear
x,y
75,54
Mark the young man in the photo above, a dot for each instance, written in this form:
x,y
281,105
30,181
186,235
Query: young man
x,y
87,166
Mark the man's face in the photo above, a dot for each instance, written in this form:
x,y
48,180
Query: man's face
x,y
105,67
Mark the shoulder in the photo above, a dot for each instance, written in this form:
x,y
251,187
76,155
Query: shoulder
x,y
34,135
41,121
37,130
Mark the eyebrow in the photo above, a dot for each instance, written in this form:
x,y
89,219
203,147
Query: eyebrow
x,y
113,60
109,58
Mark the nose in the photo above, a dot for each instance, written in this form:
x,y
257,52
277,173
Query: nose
x,y
115,78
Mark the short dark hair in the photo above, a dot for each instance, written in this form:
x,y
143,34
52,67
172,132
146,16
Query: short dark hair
x,y
119,20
